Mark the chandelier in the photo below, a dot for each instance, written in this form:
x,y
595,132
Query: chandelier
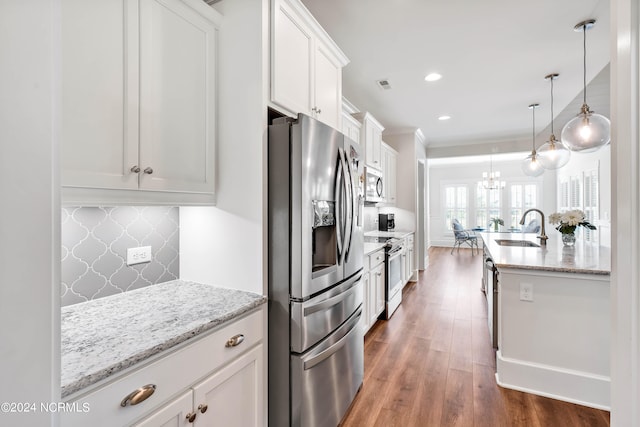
x,y
491,180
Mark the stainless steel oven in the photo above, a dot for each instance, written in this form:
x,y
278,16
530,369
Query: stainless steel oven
x,y
394,268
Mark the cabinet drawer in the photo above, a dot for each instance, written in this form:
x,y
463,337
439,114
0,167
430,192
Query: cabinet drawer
x,y
171,374
375,259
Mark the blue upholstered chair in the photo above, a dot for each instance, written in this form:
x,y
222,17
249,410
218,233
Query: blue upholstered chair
x,y
463,236
532,227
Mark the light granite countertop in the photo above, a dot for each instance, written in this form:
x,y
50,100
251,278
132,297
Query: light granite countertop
x,y
107,335
585,258
370,247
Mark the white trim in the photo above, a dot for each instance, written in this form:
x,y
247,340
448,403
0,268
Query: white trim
x,y
348,107
568,385
625,159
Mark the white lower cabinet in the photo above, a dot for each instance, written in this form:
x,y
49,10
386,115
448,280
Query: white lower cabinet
x,y
231,398
174,414
377,286
218,379
373,281
408,258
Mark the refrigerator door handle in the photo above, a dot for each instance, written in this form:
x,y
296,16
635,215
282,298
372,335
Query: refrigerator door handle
x,y
338,210
334,300
348,211
324,355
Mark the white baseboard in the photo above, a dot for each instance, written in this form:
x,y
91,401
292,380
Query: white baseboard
x,y
577,387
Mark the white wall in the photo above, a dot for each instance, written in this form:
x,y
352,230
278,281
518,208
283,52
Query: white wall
x,y
470,174
223,245
30,214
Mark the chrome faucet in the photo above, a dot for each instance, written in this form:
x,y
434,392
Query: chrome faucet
x,y
543,237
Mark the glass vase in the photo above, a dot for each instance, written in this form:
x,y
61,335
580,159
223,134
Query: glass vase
x,y
568,239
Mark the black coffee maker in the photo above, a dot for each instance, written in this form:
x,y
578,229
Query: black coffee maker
x,y
386,222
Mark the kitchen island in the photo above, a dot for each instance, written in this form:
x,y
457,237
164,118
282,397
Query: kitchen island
x,y
553,317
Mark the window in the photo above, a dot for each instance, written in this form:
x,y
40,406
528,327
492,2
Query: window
x,y
581,192
522,197
455,204
591,204
488,205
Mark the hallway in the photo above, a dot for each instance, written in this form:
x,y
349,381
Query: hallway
x,y
432,364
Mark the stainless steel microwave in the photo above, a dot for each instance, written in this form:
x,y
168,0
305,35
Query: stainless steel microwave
x,y
374,189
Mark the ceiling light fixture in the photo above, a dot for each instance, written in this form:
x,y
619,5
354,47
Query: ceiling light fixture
x,y
553,154
530,165
441,118
491,180
587,131
432,77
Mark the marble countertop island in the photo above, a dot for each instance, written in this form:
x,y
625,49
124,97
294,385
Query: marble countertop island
x,y
585,258
107,335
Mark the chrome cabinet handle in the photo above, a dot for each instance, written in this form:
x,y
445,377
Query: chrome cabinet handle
x,y
139,395
234,340
135,169
203,408
148,170
191,416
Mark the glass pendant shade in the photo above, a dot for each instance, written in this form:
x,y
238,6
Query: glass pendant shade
x,y
553,154
587,131
531,166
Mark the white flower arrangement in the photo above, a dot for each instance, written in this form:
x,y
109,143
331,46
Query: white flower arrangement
x,y
568,221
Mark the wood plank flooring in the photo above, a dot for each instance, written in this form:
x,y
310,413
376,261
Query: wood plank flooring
x,y
432,364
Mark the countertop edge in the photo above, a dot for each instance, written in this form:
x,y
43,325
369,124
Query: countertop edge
x,y
118,368
554,269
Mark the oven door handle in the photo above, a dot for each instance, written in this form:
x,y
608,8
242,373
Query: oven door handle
x,y
324,355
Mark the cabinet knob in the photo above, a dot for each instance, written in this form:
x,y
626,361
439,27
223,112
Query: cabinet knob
x,y
191,416
316,110
234,340
139,395
135,169
148,170
203,408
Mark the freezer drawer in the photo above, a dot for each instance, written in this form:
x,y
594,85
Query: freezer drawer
x,y
314,319
326,378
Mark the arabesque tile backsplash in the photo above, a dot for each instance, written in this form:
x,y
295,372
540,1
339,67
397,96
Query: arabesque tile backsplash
x,y
94,249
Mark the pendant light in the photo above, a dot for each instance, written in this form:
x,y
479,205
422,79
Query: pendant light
x,y
530,165
553,154
587,131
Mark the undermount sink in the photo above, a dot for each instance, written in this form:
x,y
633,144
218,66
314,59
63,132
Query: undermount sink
x,y
509,242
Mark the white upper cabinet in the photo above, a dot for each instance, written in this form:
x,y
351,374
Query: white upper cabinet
x,y
138,100
350,126
371,139
306,65
389,167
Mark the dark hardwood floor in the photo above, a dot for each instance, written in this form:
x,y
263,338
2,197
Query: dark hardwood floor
x,y
432,364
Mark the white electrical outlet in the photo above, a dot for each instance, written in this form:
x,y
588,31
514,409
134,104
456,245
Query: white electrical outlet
x,y
138,255
526,291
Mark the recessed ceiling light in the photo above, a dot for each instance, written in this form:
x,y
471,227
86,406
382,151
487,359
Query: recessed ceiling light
x,y
444,117
433,77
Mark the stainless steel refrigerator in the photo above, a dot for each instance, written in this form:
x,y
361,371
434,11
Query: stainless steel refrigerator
x,y
315,246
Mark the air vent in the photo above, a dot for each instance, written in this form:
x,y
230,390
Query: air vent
x,y
384,84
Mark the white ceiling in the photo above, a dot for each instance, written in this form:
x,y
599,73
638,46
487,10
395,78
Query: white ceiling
x,y
493,56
